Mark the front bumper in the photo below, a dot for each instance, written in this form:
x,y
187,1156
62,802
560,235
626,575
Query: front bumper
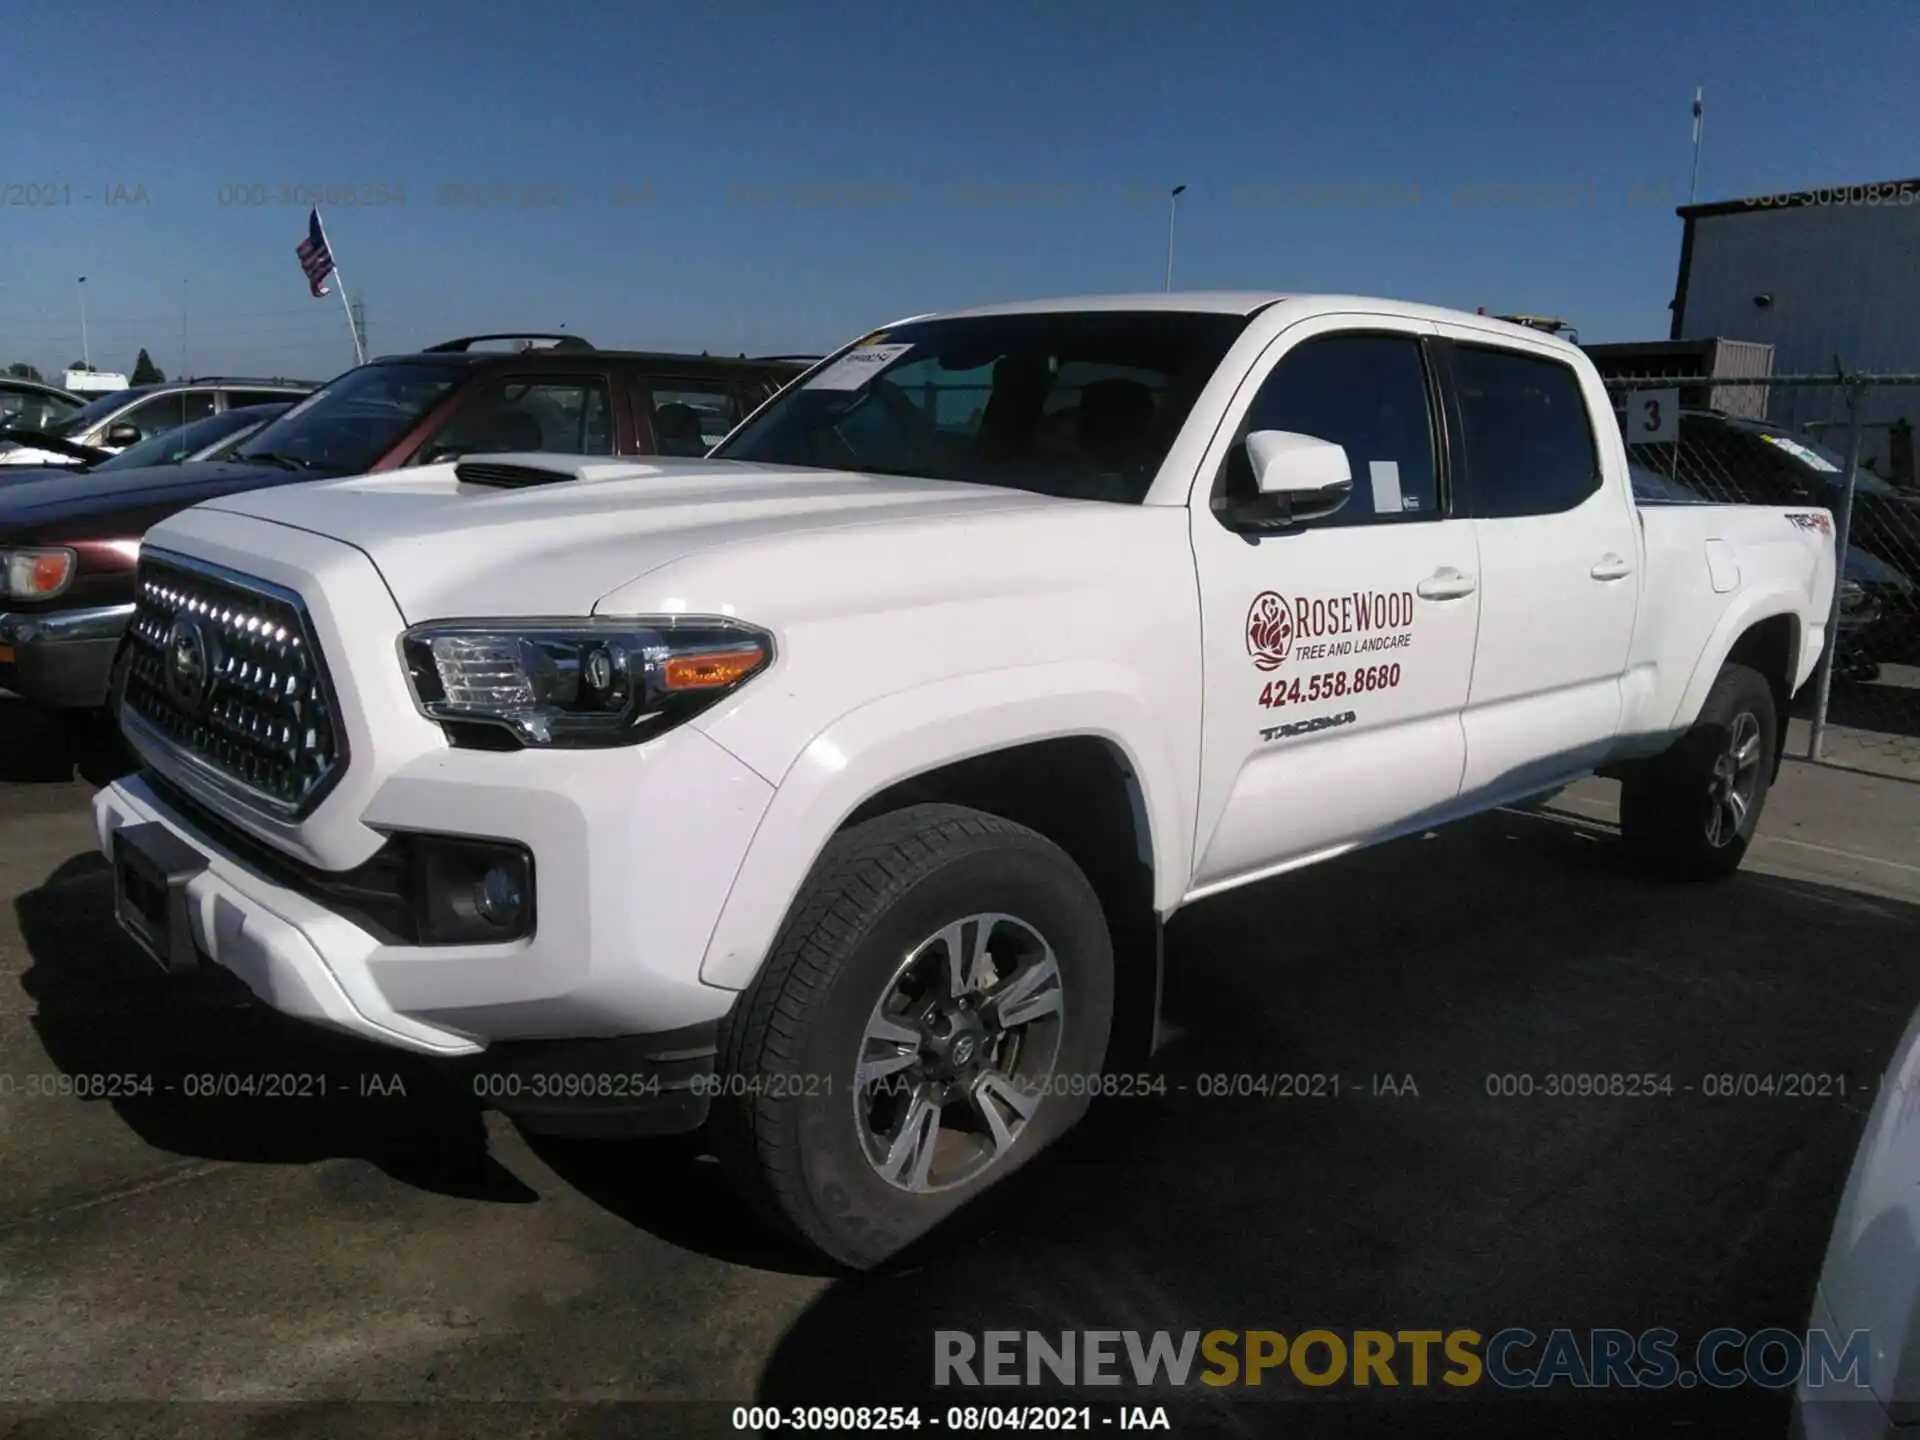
x,y
62,660
634,854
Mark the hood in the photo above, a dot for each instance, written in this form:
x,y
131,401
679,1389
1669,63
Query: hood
x,y
449,549
16,455
42,497
14,474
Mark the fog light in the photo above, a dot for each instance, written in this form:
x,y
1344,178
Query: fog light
x,y
499,897
471,892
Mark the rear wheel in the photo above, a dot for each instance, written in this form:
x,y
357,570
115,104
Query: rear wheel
x,y
930,1019
1691,813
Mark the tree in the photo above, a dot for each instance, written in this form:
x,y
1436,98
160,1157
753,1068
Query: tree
x,y
20,370
145,372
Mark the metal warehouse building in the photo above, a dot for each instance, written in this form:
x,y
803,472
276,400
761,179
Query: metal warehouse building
x,y
1814,274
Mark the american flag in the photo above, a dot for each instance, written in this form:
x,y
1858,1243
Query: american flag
x,y
315,258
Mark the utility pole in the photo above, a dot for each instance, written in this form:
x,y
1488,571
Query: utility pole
x,y
183,371
360,320
86,355
1699,128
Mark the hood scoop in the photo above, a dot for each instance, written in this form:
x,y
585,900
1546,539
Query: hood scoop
x,y
511,474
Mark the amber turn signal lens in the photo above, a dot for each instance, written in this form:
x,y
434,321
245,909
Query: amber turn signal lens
x,y
711,670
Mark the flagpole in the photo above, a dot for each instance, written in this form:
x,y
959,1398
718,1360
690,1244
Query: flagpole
x,y
340,283
360,356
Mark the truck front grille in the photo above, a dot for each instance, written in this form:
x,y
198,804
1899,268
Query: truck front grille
x,y
224,673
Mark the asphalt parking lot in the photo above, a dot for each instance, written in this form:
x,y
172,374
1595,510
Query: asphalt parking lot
x,y
386,1243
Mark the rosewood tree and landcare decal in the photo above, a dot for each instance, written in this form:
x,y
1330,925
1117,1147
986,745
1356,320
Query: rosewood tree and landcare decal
x,y
1363,622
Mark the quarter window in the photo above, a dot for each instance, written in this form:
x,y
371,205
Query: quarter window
x,y
1528,435
690,421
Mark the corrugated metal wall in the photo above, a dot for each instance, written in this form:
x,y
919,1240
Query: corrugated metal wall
x,y
1845,279
1749,358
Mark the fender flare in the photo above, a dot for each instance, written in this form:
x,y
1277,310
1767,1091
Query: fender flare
x,y
1764,602
910,732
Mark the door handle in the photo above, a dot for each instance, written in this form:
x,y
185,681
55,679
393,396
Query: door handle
x,y
1445,583
1611,567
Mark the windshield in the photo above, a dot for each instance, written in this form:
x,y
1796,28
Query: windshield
x,y
93,412
257,415
174,446
1652,488
1083,404
349,423
1828,467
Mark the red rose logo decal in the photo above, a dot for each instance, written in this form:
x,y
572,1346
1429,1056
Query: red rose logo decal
x,y
1269,630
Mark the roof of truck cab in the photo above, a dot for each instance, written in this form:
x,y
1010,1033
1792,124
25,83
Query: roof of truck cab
x,y
1247,302
1217,302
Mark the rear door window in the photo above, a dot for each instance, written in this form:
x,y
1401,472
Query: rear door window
x,y
690,417
168,411
519,414
241,399
1529,436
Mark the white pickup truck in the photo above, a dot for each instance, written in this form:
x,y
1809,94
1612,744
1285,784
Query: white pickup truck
x,y
830,792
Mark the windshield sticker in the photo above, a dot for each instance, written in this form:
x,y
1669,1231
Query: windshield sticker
x,y
1811,520
1802,453
854,369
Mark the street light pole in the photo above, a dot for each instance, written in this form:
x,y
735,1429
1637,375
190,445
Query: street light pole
x,y
86,355
1173,206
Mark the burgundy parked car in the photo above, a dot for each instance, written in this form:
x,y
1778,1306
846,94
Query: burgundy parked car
x,y
68,541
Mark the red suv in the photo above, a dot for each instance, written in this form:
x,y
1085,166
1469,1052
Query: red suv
x,y
68,541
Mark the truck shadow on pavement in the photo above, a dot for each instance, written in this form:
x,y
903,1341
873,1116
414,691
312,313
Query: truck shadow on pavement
x,y
1428,978
198,1067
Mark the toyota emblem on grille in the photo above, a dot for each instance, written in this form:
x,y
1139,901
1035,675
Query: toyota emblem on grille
x,y
188,672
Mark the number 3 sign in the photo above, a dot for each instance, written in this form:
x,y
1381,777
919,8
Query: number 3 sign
x,y
1653,416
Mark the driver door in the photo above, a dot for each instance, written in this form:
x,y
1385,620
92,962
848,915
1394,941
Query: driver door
x,y
1338,653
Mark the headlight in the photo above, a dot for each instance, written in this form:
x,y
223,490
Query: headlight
x,y
38,574
577,683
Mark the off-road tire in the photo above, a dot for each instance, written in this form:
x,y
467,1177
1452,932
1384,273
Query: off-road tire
x,y
783,1121
1666,804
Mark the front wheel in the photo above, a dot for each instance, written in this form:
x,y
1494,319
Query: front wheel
x,y
931,1017
1692,812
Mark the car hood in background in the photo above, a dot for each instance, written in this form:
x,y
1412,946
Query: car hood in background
x,y
52,496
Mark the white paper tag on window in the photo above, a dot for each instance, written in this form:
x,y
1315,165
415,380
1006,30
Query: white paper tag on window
x,y
1385,475
857,367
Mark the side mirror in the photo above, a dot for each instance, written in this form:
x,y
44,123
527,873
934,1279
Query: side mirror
x,y
1297,478
122,435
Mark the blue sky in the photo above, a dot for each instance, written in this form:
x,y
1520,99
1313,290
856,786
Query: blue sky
x,y
738,175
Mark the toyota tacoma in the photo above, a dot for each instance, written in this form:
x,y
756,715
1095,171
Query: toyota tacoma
x,y
829,793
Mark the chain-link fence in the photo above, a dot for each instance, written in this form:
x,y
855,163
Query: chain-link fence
x,y
1843,442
